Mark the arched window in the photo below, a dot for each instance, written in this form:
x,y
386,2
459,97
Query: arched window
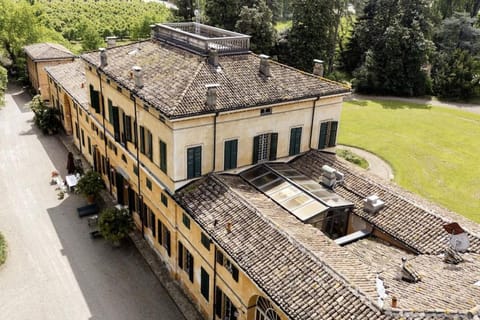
x,y
264,310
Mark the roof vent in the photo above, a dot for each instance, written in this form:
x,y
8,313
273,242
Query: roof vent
x,y
212,95
137,76
228,227
318,67
452,256
408,273
373,204
103,57
330,177
111,41
265,65
458,237
213,57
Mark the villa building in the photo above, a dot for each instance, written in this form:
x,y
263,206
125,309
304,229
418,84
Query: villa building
x,y
41,55
224,158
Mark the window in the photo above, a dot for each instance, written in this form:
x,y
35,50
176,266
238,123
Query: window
x,y
265,111
264,310
204,283
186,220
83,137
265,147
194,162
163,156
135,170
128,128
148,183
328,134
295,141
223,261
230,154
146,146
164,236
205,241
124,159
110,111
185,260
116,123
149,151
77,131
94,99
89,146
224,309
142,139
164,199
153,224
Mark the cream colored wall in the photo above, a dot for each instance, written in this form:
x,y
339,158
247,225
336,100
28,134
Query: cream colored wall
x,y
43,77
328,109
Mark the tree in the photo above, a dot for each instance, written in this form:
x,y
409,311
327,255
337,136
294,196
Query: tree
x,y
447,8
3,84
223,13
256,21
186,9
456,66
90,38
392,38
312,34
115,224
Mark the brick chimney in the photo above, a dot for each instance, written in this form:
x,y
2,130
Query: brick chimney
x,y
212,95
103,57
318,67
137,77
265,65
213,57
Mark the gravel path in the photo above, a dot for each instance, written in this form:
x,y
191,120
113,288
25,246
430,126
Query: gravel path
x,y
377,165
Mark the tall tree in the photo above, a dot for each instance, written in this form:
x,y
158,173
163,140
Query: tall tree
x,y
256,21
395,45
311,36
446,8
223,13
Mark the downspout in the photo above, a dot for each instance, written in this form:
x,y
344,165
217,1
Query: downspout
x,y
104,130
140,202
78,132
214,140
214,280
311,124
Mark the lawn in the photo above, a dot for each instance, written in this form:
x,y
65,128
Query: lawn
x,y
3,249
434,151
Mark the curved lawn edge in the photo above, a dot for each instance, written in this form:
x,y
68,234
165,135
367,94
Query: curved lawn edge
x,y
3,249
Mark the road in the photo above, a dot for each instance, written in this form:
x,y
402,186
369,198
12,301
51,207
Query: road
x,y
54,270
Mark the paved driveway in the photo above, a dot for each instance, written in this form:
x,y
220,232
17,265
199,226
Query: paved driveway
x,y
54,270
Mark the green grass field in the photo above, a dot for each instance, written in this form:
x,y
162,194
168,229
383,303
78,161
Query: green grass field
x,y
434,151
3,249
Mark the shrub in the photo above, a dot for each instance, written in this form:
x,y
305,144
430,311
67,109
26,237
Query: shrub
x,y
115,224
90,184
46,118
353,158
3,249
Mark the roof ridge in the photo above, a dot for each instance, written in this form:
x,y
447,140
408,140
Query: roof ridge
x,y
352,288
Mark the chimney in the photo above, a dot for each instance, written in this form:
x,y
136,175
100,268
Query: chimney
x,y
213,57
373,204
265,65
111,41
137,77
328,177
394,302
212,95
103,57
318,67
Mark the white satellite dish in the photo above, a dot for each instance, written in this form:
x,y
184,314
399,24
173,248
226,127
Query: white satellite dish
x,y
459,242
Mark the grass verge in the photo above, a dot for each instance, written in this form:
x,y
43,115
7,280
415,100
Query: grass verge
x,y
353,158
3,249
434,151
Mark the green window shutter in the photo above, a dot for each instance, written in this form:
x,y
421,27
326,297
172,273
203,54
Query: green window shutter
x,y
116,123
218,302
204,283
190,163
322,140
230,154
152,218
295,141
194,162
333,134
180,255
198,161
128,128
150,145
190,265
160,233
110,111
256,147
167,241
142,139
163,156
273,146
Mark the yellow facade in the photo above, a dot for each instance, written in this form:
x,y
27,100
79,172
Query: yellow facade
x,y
38,76
143,186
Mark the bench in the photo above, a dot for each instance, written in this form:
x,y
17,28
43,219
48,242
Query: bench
x,y
88,210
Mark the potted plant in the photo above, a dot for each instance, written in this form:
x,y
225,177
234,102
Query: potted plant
x,y
90,184
114,224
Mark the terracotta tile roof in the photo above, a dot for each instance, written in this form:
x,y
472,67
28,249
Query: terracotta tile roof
x,y
174,79
444,286
47,51
413,221
71,76
295,278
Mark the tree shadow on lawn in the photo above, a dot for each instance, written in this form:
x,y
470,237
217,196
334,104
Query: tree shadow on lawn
x,y
394,105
